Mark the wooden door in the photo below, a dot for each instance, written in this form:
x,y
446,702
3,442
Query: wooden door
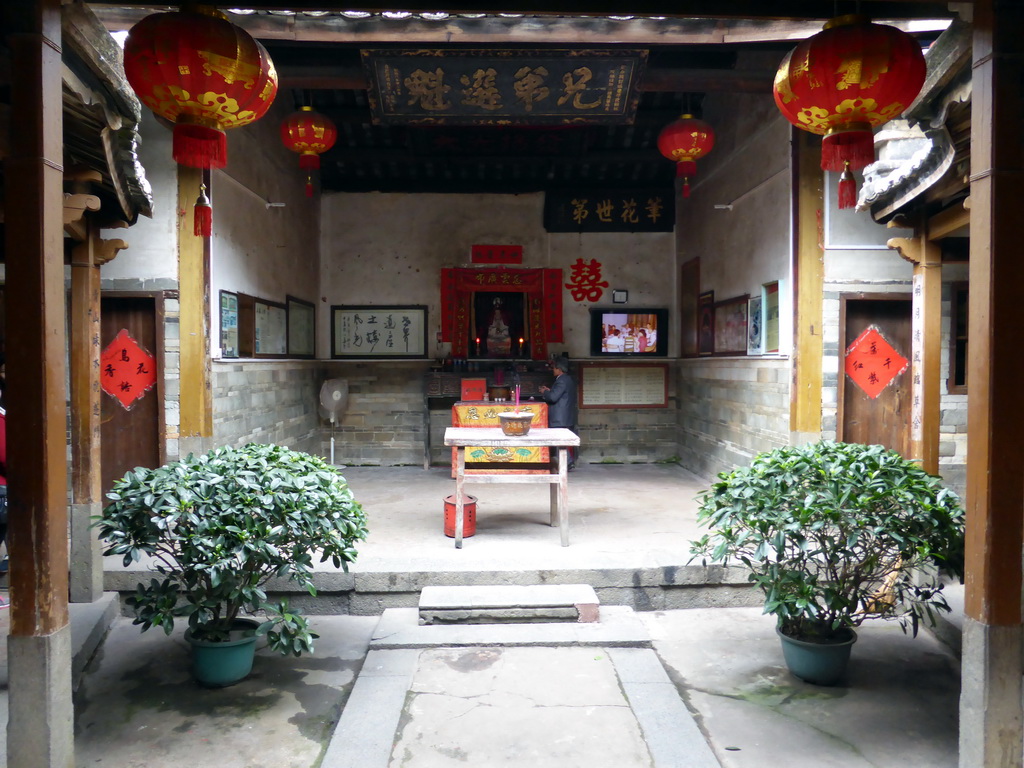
x,y
875,371
131,435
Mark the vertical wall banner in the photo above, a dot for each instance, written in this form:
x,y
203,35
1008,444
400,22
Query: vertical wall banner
x,y
553,305
917,375
496,254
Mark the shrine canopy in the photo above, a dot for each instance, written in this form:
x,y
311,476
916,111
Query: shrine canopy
x,y
542,289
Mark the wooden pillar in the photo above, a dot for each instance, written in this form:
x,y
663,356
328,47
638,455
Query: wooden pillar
x,y
990,703
808,287
86,577
926,347
193,277
40,724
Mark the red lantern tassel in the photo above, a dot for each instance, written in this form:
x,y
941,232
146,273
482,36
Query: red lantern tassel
x,y
202,214
309,186
856,147
847,188
686,187
199,147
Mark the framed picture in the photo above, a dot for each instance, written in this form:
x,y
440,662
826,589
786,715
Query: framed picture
x,y
706,323
731,326
228,324
377,331
270,328
755,326
301,327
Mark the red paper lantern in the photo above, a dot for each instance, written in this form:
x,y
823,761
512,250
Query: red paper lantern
x,y
684,142
844,81
310,134
204,74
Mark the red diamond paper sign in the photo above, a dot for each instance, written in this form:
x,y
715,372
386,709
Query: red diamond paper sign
x,y
127,371
872,362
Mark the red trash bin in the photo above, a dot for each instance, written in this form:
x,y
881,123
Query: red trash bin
x,y
468,516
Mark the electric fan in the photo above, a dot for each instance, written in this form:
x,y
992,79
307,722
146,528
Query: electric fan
x,y
333,401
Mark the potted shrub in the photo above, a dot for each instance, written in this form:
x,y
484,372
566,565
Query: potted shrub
x,y
834,534
217,528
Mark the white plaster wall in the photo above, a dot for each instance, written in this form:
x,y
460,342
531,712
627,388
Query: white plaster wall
x,y
749,168
390,249
267,252
152,252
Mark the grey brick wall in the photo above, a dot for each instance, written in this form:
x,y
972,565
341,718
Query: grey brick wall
x,y
267,402
731,409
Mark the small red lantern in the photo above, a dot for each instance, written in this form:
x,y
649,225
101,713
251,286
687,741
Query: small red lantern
x,y
310,134
844,81
204,74
685,141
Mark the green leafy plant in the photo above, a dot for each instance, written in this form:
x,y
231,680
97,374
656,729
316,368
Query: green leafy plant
x,y
835,533
219,526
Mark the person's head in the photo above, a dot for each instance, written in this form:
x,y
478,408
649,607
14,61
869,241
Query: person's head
x,y
560,364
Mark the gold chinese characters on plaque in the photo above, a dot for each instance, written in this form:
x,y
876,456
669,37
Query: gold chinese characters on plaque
x,y
503,87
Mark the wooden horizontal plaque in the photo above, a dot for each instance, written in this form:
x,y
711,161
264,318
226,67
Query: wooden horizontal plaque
x,y
610,210
503,86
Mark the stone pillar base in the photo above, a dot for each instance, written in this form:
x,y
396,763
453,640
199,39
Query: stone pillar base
x,y
990,696
40,725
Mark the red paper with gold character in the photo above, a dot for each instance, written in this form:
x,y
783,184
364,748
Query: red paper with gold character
x,y
873,363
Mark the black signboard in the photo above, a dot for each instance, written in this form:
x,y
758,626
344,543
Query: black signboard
x,y
610,210
503,87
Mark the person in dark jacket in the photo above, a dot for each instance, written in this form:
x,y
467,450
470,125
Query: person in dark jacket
x,y
562,399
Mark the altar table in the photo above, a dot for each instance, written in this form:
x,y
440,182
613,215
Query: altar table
x,y
557,476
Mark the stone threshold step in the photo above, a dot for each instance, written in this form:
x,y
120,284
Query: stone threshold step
x,y
619,627
495,604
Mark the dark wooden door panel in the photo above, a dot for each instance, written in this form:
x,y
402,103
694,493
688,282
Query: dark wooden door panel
x,y
884,419
130,436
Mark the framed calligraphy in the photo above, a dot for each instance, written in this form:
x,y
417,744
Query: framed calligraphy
x,y
369,331
610,210
503,86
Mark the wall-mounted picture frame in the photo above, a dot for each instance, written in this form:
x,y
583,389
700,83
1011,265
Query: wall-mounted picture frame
x,y
706,323
755,325
301,327
731,326
270,326
228,324
370,331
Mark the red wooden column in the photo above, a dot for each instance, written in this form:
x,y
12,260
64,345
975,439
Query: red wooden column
x,y
39,731
990,704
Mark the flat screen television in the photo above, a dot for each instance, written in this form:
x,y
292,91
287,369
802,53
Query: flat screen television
x,y
629,333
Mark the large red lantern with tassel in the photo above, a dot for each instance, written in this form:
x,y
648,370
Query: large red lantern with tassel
x,y
684,142
310,134
844,81
204,74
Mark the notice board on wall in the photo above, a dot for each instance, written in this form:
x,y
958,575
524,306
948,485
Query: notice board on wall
x,y
623,385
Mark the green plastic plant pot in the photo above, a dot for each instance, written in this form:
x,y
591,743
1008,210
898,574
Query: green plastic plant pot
x,y
817,663
220,664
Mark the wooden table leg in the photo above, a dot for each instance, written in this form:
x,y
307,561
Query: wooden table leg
x,y
563,495
460,479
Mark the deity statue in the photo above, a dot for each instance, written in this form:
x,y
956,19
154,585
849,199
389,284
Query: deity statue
x,y
499,339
